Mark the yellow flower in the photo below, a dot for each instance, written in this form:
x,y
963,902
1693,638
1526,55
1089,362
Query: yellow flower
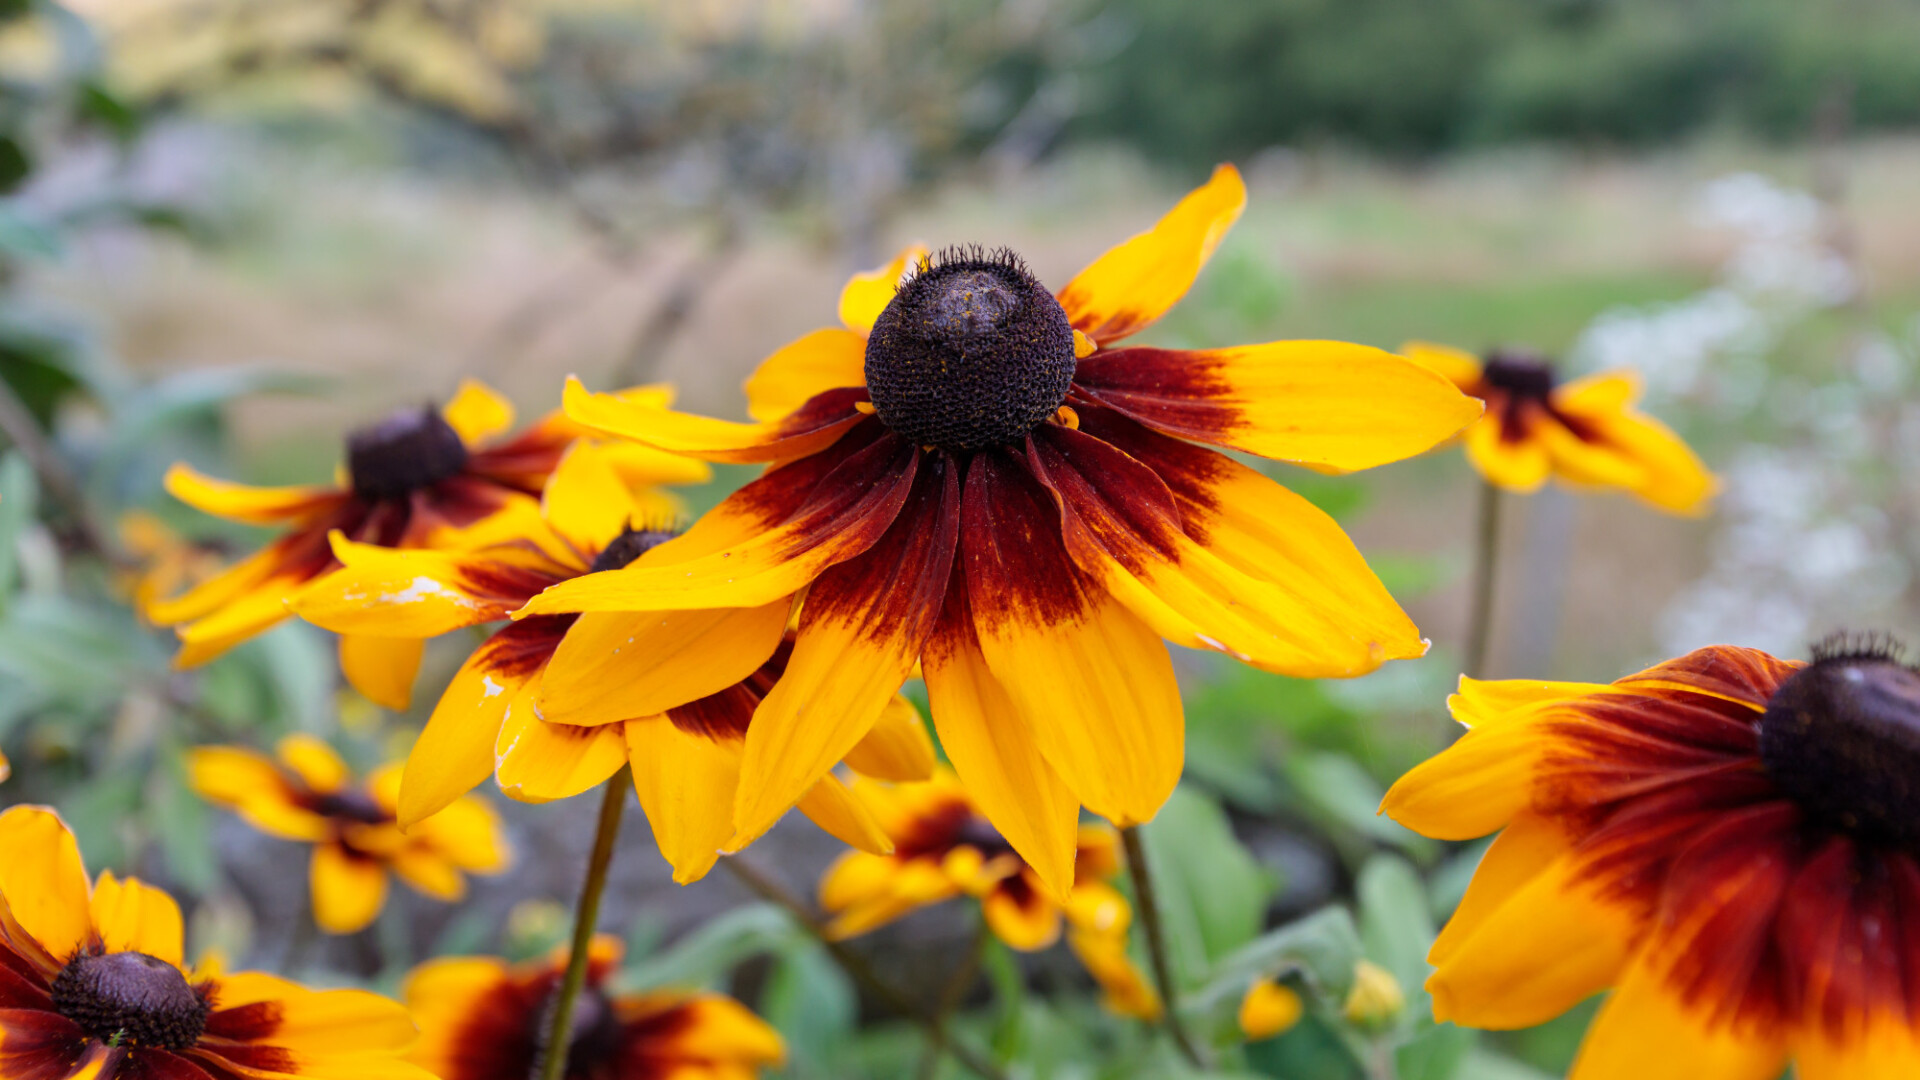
x,y
93,984
1585,432
309,795
1269,1008
943,848
1728,840
483,1019
410,481
168,562
961,481
554,705
1376,996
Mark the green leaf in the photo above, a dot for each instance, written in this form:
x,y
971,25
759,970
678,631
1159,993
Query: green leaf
x,y
1213,894
1437,1053
1483,1064
107,110
704,956
181,819
24,238
19,504
810,1001
1344,796
1396,926
1322,948
15,163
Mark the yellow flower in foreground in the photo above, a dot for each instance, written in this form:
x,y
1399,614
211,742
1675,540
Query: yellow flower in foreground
x,y
409,480
1585,432
961,481
482,1019
1729,841
554,705
309,795
1269,1008
93,985
942,848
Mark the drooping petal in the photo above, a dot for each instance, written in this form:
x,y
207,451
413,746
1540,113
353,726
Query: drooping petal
x,y
830,805
993,749
382,668
539,762
1271,579
348,891
861,630
430,873
43,879
686,786
811,428
846,515
477,412
856,877
266,570
821,361
1328,404
914,884
713,1036
1126,989
255,613
617,665
1484,702
1527,846
246,504
1551,945
132,916
1093,682
1645,1031
1132,285
868,293
454,752
897,748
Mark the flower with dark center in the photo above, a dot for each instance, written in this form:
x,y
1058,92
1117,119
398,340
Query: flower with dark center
x,y
943,849
1586,432
970,476
413,480
306,793
483,1019
93,985
1727,840
669,693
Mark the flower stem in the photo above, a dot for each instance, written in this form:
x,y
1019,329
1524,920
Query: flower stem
x,y
951,995
1486,558
553,1062
857,968
1149,910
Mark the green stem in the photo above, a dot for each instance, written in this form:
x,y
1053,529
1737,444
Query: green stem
x,y
856,967
1147,901
1486,558
553,1061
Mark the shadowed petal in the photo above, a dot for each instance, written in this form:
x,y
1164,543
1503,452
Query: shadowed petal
x,y
348,891
686,784
617,665
539,762
821,361
897,748
455,750
382,668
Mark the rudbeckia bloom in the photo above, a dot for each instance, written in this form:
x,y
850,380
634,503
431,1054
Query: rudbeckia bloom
x,y
309,795
961,480
408,480
482,1019
671,693
1586,432
93,986
1728,840
942,849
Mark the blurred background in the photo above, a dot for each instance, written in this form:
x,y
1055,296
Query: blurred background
x,y
233,228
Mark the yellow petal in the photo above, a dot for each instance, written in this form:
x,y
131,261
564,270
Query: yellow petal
x,y
132,916
430,873
1328,404
820,361
1268,1009
455,749
1673,477
43,880
1127,991
246,504
831,806
1553,944
443,995
314,762
855,878
1473,787
246,617
1518,855
643,466
709,1029
1132,285
263,571
1598,395
348,891
322,1023
897,748
477,412
539,762
614,666
252,785
868,293
1020,916
1458,366
1887,1049
6,768
915,883
686,787
1517,465
383,592
1482,702
1647,1032
586,499
382,668
805,432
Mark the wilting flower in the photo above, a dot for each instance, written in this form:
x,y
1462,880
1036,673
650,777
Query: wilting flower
x,y
961,481
1585,432
93,985
1727,839
1269,1008
554,705
482,1019
309,795
942,848
408,480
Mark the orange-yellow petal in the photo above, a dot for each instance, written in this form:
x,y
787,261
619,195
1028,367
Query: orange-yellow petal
x,y
1673,477
830,805
587,500
1887,1048
252,785
1519,464
1519,854
536,761
455,750
244,503
1021,917
1132,285
351,1026
477,412
132,916
804,432
897,748
1457,366
252,614
617,665
821,361
1269,1008
868,293
382,668
391,593
43,880
1473,787
348,890
1126,988
1645,1031
317,764
686,785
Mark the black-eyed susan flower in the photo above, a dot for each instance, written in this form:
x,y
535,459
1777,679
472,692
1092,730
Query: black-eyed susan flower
x,y
943,848
166,562
1728,840
409,480
671,693
310,795
960,480
1269,1008
1586,432
94,986
483,1019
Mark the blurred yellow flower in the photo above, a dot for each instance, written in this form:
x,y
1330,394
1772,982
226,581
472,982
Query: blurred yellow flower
x,y
309,795
1269,1008
167,561
1376,997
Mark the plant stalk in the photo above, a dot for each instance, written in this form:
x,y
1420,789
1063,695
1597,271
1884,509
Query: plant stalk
x,y
553,1061
1486,557
1147,901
